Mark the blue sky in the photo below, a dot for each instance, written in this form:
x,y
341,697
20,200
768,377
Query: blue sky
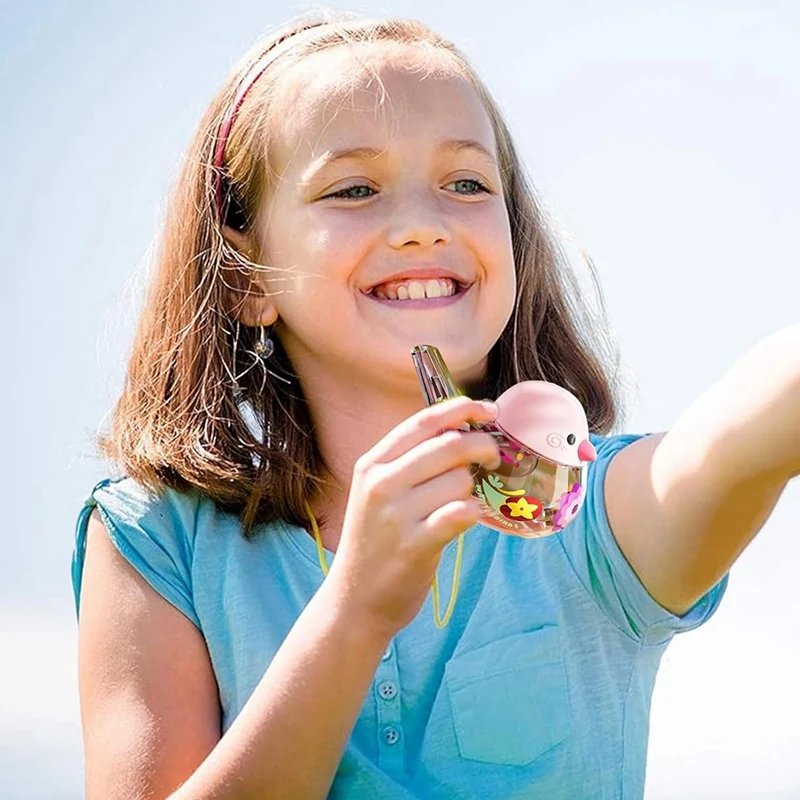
x,y
661,137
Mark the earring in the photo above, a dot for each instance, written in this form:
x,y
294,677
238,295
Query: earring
x,y
264,347
262,350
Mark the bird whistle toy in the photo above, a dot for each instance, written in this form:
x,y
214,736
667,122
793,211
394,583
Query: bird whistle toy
x,y
543,436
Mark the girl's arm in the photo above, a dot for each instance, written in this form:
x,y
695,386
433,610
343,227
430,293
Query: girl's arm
x,y
684,505
145,674
150,705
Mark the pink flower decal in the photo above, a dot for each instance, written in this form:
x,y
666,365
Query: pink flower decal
x,y
569,506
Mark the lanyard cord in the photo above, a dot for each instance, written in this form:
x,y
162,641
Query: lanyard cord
x,y
440,623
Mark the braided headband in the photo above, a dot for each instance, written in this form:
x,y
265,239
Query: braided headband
x,y
247,82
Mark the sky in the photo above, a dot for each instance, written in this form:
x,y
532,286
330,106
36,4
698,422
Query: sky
x,y
662,138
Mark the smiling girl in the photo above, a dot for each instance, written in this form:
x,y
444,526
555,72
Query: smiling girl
x,y
353,192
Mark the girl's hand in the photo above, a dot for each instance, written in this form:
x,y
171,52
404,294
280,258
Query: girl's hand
x,y
410,495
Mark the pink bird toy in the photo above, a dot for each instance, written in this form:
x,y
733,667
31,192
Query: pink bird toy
x,y
543,436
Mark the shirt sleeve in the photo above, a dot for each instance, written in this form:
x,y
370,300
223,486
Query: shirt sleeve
x,y
155,534
605,572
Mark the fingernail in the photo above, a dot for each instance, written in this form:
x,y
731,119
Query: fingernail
x,y
490,406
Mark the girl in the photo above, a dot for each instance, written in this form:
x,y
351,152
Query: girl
x,y
271,401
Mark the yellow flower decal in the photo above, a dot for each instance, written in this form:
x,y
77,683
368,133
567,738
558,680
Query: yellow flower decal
x,y
524,508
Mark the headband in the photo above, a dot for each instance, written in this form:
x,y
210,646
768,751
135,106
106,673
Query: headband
x,y
247,82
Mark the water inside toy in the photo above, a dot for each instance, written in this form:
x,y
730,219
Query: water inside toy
x,y
543,436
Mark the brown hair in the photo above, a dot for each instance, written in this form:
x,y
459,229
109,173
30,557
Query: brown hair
x,y
181,420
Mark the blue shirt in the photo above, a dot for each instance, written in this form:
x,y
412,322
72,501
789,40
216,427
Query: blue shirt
x,y
539,687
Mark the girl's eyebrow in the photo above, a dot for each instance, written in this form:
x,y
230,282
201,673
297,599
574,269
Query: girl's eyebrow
x,y
447,146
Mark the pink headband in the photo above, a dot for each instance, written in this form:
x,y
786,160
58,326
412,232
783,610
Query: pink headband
x,y
253,74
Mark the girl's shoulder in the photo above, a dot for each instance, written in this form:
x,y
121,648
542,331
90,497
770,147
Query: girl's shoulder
x,y
601,567
166,512
155,531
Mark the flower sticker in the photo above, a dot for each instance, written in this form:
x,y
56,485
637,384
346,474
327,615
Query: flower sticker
x,y
526,507
568,508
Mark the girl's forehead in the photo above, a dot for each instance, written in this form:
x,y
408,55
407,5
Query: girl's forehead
x,y
343,94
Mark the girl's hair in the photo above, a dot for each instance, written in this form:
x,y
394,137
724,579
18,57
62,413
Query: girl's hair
x,y
185,418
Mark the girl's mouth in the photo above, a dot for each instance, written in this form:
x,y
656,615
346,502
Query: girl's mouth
x,y
416,294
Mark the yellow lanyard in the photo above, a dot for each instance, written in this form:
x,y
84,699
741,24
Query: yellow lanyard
x,y
440,623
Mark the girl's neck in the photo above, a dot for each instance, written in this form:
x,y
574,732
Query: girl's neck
x,y
343,435
331,529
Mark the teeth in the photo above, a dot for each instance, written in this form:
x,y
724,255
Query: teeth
x,y
416,290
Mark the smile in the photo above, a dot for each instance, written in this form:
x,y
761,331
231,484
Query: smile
x,y
423,303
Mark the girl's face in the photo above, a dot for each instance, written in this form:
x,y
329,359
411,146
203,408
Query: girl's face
x,y
421,192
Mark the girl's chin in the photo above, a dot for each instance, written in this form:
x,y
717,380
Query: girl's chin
x,y
465,358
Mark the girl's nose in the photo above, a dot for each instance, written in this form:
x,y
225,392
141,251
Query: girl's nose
x,y
417,220
586,451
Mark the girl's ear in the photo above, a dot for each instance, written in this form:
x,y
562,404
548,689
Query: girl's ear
x,y
245,296
238,240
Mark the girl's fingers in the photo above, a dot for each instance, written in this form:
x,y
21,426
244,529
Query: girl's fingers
x,y
439,455
449,521
457,484
425,424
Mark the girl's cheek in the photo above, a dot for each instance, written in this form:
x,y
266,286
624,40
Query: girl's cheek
x,y
352,236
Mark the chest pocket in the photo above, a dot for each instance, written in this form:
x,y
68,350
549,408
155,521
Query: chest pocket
x,y
509,698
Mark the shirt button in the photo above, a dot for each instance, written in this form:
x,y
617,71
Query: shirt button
x,y
388,654
387,690
391,735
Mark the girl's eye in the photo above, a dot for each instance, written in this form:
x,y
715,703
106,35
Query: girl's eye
x,y
344,192
478,184
361,191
